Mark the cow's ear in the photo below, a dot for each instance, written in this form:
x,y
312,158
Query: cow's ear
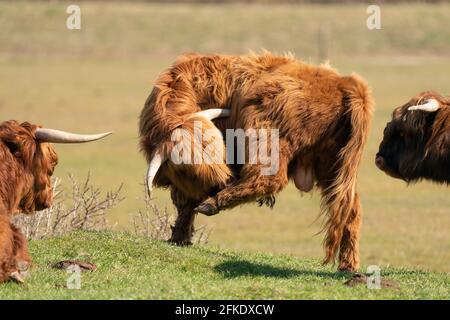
x,y
415,122
440,136
13,146
21,146
397,113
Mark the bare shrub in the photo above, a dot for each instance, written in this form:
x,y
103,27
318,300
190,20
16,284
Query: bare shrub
x,y
154,223
201,235
82,208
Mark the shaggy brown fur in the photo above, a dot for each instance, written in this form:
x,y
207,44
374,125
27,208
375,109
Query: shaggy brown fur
x,y
323,121
416,144
25,185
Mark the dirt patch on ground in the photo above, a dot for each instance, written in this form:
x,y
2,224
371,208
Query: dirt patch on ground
x,y
66,264
360,278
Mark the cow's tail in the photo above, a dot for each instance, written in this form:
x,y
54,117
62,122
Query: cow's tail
x,y
339,197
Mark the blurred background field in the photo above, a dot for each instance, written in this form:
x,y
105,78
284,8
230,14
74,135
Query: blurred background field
x,y
97,79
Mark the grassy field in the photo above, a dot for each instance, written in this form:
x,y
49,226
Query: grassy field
x,y
136,268
97,79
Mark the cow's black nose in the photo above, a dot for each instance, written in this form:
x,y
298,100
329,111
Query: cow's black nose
x,y
379,162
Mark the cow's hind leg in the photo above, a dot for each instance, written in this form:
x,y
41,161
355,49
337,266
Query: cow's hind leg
x,y
252,185
183,229
349,246
347,226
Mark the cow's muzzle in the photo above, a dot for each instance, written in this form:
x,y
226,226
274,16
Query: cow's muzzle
x,y
379,162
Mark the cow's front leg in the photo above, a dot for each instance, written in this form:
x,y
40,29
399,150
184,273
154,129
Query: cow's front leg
x,y
21,254
183,229
7,261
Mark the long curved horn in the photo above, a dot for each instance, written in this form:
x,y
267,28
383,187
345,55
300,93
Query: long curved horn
x,y
212,114
57,136
432,105
153,167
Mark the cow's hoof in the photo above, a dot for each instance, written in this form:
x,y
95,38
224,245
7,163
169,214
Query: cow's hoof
x,y
180,243
17,277
344,267
207,209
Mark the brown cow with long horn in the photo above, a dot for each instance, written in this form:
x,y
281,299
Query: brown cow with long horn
x,y
27,161
322,120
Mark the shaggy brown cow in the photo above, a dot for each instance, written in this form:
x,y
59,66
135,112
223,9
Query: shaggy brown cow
x,y
416,142
323,121
27,162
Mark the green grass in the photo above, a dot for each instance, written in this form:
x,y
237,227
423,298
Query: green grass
x,y
132,267
98,78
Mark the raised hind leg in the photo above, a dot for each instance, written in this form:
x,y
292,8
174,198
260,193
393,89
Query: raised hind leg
x,y
252,185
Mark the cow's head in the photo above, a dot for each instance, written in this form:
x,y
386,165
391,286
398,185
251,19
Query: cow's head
x,y
30,147
408,137
160,156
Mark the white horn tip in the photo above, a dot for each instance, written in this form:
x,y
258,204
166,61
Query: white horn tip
x,y
104,135
212,114
432,105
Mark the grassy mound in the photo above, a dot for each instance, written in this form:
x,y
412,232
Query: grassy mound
x,y
131,267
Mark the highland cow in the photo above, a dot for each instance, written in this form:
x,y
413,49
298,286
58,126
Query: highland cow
x,y
322,118
27,162
416,142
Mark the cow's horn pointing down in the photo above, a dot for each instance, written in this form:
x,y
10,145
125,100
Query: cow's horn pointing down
x,y
57,136
212,114
157,160
432,105
153,167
